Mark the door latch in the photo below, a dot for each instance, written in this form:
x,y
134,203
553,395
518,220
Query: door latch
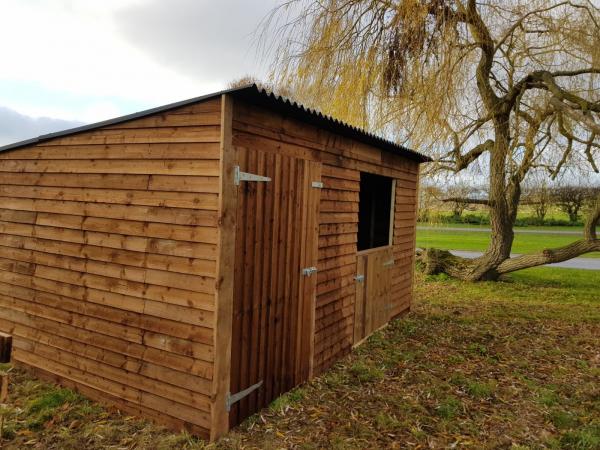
x,y
359,278
388,263
308,271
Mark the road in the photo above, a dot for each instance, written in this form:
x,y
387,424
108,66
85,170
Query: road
x,y
487,230
575,263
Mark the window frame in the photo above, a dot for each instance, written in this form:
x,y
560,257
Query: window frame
x,y
390,240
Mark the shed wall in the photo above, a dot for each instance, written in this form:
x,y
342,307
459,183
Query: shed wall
x,y
108,250
343,159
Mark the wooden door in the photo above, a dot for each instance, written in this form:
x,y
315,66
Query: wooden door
x,y
373,291
274,303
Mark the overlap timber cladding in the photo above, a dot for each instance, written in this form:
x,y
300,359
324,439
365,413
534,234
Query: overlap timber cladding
x,y
343,159
107,261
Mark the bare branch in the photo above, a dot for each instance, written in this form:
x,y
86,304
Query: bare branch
x,y
577,115
592,221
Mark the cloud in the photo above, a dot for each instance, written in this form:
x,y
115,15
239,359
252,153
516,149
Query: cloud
x,y
77,54
205,39
16,127
89,61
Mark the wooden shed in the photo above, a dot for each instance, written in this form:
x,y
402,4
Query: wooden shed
x,y
192,262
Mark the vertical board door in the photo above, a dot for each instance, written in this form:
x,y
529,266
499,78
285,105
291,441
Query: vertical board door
x,y
274,302
374,291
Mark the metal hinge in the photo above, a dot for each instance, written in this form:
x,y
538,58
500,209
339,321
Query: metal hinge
x,y
231,399
308,271
388,263
359,278
240,176
317,184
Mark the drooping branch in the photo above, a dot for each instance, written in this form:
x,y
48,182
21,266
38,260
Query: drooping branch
x,y
576,115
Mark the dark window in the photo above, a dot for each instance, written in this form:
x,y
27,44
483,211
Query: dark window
x,y
374,211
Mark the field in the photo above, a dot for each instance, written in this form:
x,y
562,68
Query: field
x,y
447,238
514,364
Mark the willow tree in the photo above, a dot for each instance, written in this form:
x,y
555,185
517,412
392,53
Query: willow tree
x,y
509,86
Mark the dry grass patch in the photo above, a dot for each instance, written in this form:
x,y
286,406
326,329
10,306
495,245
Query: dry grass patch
x,y
514,364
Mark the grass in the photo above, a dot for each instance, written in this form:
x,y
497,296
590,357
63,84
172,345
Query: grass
x,y
544,228
513,364
448,239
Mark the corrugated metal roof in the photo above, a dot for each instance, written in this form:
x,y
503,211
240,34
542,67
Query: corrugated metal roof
x,y
255,95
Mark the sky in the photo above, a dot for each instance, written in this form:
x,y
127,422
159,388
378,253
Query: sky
x,y
68,62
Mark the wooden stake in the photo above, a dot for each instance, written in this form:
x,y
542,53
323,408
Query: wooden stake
x,y
3,387
5,347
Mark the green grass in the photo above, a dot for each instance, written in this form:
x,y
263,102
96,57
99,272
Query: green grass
x,y
447,239
544,228
509,364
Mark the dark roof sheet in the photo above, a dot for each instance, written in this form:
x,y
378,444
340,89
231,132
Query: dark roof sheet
x,y
255,95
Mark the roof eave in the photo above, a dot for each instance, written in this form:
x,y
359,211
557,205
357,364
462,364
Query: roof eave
x,y
254,94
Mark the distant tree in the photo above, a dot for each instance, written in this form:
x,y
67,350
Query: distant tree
x,y
511,86
538,195
571,199
460,196
428,197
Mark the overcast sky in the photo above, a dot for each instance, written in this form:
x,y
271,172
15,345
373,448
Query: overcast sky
x,y
67,62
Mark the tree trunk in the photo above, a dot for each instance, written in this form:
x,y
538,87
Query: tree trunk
x,y
549,256
502,212
441,261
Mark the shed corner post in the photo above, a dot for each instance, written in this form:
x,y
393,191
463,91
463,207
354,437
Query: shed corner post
x,y
225,274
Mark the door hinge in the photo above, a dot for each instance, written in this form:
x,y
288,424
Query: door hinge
x,y
231,399
388,263
359,278
240,176
308,271
317,184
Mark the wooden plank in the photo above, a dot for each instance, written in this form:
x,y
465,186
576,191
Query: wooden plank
x,y
113,211
161,166
49,150
360,313
239,274
186,265
188,200
187,233
260,251
247,296
309,301
271,211
279,217
168,135
156,246
126,272
219,421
